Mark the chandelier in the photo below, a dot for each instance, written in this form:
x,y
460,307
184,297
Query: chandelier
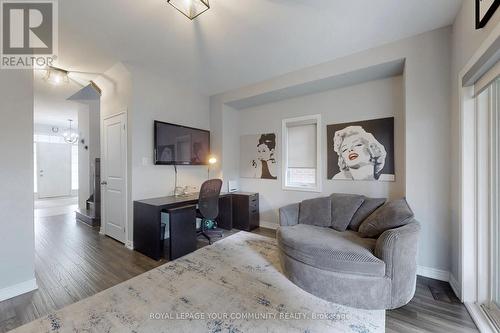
x,y
70,136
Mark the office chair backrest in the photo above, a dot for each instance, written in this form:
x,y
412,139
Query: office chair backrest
x,y
208,202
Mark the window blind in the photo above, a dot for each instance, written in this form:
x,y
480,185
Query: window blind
x,y
302,146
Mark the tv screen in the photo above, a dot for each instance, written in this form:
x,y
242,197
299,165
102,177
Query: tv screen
x,y
176,144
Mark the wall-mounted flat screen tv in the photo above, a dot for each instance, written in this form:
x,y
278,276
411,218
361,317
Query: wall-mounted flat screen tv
x,y
180,145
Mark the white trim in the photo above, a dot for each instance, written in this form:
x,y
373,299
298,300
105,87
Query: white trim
x,y
480,319
18,289
268,225
433,273
115,114
129,245
455,286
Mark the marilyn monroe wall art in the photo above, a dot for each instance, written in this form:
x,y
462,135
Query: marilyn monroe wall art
x,y
361,150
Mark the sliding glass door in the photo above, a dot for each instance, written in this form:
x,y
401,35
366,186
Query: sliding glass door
x,y
494,99
487,108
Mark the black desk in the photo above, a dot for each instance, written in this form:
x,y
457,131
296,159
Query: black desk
x,y
182,226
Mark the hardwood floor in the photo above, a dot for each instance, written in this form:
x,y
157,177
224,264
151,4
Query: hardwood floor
x,y
74,262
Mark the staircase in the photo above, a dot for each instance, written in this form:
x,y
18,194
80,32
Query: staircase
x,y
91,215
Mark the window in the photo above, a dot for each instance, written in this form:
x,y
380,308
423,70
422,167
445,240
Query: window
x,y
302,153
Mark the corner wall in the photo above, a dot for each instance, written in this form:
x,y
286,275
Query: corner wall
x,y
427,128
17,242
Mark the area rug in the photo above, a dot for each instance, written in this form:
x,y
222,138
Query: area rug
x,y
235,285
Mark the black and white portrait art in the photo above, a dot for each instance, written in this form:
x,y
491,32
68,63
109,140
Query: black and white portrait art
x,y
485,9
257,156
361,150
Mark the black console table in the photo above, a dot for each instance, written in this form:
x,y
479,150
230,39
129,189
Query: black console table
x,y
182,222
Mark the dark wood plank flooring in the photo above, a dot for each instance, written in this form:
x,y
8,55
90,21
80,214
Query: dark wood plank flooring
x,y
74,262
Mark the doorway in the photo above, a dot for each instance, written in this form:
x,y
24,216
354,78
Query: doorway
x,y
114,176
67,148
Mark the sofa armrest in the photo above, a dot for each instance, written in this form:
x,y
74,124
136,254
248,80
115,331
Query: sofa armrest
x,y
289,215
398,249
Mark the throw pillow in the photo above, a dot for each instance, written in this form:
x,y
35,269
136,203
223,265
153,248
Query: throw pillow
x,y
344,206
316,212
368,207
392,215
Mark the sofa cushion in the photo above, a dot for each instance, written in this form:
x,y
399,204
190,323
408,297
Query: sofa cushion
x,y
392,215
316,211
331,250
344,206
365,210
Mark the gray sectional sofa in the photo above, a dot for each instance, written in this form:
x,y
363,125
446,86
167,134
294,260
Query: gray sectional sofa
x,y
351,250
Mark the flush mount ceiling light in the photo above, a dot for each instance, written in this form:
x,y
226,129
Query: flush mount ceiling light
x,y
56,76
190,8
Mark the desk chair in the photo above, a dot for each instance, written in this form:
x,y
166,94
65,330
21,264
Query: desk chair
x,y
208,208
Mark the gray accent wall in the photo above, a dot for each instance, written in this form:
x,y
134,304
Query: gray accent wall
x,y
426,106
371,100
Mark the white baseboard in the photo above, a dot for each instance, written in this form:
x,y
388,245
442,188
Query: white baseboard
x,y
129,245
268,225
18,289
480,319
433,273
455,286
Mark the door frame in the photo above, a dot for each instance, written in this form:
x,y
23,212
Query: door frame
x,y
128,242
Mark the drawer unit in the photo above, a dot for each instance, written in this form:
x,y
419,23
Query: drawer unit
x,y
246,214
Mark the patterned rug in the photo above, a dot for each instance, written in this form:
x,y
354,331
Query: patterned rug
x,y
232,286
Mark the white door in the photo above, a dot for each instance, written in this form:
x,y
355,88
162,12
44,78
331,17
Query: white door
x,y
53,169
114,176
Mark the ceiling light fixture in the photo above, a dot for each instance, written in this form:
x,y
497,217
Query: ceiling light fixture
x,y
190,8
70,136
56,76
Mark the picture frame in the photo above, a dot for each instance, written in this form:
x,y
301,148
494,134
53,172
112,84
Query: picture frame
x,y
484,11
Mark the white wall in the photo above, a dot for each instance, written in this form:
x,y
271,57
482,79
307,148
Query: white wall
x,y
83,156
466,40
371,100
158,98
94,139
17,245
427,124
89,127
147,97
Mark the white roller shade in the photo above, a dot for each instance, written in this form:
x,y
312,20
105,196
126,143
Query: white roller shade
x,y
302,146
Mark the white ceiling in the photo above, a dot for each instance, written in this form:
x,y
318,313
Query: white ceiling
x,y
51,106
236,42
